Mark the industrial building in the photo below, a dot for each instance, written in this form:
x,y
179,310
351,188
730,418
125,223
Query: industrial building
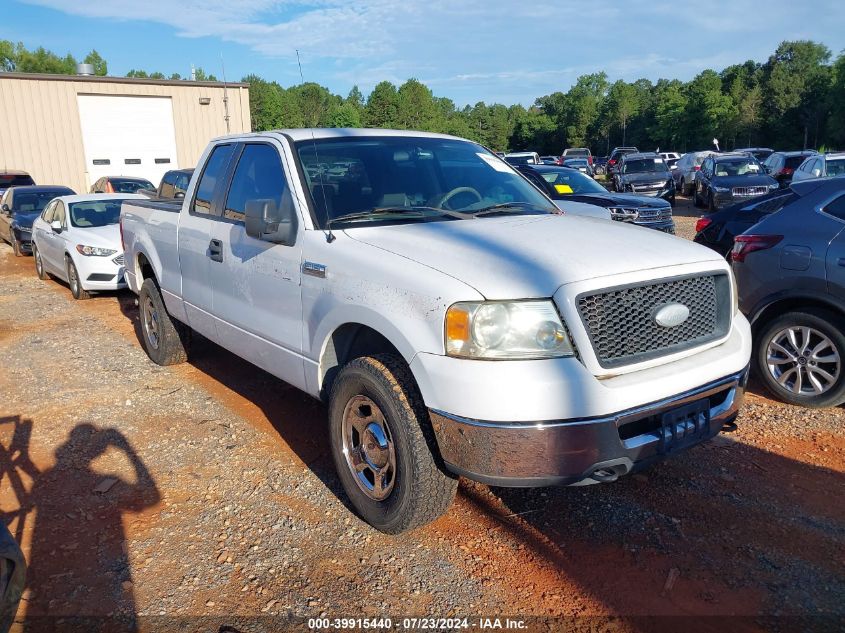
x,y
73,129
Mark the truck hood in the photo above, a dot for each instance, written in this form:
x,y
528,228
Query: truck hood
x,y
532,256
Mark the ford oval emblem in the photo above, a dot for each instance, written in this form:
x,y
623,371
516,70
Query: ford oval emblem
x,y
671,315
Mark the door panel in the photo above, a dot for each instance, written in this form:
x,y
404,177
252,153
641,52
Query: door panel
x,y
195,233
257,298
835,260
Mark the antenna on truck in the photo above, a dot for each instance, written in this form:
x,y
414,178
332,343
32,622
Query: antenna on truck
x,y
225,94
329,235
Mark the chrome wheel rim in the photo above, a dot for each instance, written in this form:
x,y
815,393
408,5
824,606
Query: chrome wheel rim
x,y
74,280
803,361
39,267
150,319
368,447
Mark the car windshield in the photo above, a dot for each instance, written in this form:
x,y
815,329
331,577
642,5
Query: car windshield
x,y
35,201
836,167
86,215
566,181
526,159
745,166
130,185
411,178
644,165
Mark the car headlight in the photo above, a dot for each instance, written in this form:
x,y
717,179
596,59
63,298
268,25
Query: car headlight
x,y
774,186
94,251
721,189
506,330
622,214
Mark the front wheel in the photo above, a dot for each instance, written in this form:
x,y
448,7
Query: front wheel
x,y
165,339
16,245
39,263
711,203
384,447
799,358
75,284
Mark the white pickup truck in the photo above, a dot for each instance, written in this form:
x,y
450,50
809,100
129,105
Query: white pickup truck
x,y
453,319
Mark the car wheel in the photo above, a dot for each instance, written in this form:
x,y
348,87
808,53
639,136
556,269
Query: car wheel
x,y
75,284
682,187
799,358
16,246
165,339
39,263
711,203
384,447
696,201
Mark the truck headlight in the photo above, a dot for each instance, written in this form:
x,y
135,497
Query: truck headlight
x,y
506,330
94,251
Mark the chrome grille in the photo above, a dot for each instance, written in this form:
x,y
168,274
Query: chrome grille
x,y
621,325
118,260
642,215
748,192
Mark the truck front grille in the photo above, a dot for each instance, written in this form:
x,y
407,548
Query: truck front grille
x,y
621,321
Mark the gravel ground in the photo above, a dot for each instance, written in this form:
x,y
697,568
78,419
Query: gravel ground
x,y
207,489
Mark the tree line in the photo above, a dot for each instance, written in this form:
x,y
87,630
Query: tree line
x,y
793,100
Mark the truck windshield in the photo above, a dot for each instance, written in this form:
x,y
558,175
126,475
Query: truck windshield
x,y
357,175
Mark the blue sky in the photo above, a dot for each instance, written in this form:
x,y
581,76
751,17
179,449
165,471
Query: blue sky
x,y
507,51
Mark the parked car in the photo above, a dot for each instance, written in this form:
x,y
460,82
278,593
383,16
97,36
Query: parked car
x,y
645,174
549,160
580,164
77,239
19,206
821,166
760,153
615,156
121,184
14,178
790,271
600,164
174,183
389,296
685,170
523,158
565,184
577,152
667,156
719,229
782,165
12,577
725,179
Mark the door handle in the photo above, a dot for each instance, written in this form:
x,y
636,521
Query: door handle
x,y
215,250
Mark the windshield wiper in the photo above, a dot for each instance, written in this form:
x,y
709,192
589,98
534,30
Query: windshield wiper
x,y
507,207
415,212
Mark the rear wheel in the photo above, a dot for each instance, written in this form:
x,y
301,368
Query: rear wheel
x,y
384,447
75,284
39,263
799,358
16,245
683,187
165,339
711,203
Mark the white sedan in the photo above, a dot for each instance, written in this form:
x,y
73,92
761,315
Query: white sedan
x,y
77,239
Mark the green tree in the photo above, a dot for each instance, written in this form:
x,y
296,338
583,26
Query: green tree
x,y
265,103
416,109
623,104
199,75
8,57
101,68
382,106
345,115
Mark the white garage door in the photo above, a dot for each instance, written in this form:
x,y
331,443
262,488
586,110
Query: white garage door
x,y
127,136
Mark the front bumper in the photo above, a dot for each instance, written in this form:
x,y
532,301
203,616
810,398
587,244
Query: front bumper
x,y
101,273
581,451
24,240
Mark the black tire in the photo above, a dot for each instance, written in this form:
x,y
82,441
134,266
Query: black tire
x,y
76,289
696,201
39,263
16,246
422,489
683,188
711,203
832,326
165,339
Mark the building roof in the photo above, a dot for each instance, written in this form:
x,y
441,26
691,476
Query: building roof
x,y
121,80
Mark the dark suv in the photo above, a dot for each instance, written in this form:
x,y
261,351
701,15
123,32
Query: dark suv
x,y
790,273
646,174
781,165
616,155
725,179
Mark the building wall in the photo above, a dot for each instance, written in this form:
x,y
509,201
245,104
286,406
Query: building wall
x,y
40,130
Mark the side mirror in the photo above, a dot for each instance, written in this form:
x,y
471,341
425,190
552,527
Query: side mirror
x,y
56,226
6,210
263,220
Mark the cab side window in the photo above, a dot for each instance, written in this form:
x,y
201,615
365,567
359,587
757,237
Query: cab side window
x,y
258,176
214,171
